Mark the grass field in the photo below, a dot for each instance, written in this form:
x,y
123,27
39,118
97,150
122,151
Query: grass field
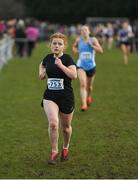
x,y
104,143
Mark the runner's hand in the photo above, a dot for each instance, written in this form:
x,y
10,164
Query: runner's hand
x,y
58,62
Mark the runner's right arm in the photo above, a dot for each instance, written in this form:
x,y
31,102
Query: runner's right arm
x,y
42,72
75,46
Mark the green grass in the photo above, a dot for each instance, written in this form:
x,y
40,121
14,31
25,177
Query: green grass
x,y
104,141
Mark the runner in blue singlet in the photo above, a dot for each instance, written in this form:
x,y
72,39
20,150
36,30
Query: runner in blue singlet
x,y
86,46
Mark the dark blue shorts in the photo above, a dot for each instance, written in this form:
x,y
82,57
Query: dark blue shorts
x,y
90,72
126,43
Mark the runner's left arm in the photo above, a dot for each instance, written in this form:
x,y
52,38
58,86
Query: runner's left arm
x,y
96,45
70,71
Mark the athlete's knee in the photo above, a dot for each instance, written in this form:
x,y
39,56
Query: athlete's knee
x,y
67,129
83,85
90,88
125,53
53,126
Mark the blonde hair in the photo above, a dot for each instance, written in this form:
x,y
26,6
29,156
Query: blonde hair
x,y
86,27
60,36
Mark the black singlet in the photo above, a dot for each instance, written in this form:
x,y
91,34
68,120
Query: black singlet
x,y
59,87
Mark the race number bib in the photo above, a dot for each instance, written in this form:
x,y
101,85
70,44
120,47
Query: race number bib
x,y
55,84
86,56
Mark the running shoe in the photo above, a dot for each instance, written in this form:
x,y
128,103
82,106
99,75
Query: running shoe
x,y
53,158
64,154
89,100
83,108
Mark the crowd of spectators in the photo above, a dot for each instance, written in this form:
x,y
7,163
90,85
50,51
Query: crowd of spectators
x,y
23,34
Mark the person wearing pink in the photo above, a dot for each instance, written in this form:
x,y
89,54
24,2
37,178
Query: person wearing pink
x,y
2,27
32,35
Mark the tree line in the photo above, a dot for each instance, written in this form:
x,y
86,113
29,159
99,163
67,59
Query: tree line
x,y
68,11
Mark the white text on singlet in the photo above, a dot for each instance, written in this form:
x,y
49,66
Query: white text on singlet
x,y
55,84
85,55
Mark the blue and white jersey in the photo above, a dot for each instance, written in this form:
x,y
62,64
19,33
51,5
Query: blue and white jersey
x,y
86,55
123,35
110,32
